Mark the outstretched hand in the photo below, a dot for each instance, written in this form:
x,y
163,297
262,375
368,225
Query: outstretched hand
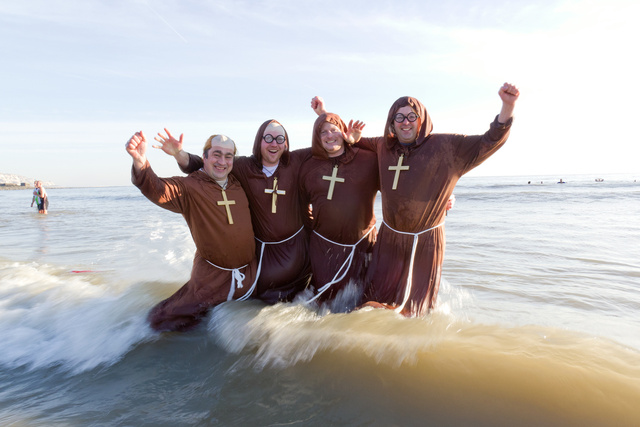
x,y
170,145
317,104
136,146
354,131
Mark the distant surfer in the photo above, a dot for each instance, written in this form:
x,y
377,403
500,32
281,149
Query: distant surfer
x,y
217,212
418,172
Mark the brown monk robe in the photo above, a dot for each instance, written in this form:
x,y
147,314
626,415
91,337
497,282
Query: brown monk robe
x,y
222,234
341,187
277,216
416,182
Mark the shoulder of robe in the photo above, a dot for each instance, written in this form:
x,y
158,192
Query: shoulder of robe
x,y
243,161
311,164
300,154
233,181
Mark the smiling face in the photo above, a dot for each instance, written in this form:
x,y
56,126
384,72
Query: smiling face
x,y
272,151
331,138
406,131
218,160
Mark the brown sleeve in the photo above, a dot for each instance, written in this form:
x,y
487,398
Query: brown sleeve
x,y
168,193
474,150
369,144
195,163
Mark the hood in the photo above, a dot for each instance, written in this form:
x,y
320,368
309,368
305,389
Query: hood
x,y
317,150
425,128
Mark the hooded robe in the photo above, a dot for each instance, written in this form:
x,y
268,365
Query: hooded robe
x,y
284,267
407,259
343,226
227,246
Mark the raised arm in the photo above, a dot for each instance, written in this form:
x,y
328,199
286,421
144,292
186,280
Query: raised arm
x,y
354,130
136,146
317,104
509,95
173,147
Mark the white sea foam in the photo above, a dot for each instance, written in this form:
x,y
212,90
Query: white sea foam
x,y
52,317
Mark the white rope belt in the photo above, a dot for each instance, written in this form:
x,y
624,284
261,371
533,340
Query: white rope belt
x,y
282,241
236,278
262,245
344,268
407,289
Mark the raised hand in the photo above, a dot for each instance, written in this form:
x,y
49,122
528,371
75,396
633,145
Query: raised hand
x,y
509,93
317,104
136,146
354,131
170,145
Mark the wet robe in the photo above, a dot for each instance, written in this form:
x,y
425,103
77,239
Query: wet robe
x,y
436,162
346,219
229,246
285,268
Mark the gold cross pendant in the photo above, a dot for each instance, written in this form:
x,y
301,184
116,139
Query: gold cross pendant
x,y
226,204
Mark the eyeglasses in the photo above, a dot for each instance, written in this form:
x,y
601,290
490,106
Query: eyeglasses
x,y
268,138
399,118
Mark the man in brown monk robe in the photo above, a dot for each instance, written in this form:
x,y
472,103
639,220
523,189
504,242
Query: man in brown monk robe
x,y
418,172
340,182
270,180
217,212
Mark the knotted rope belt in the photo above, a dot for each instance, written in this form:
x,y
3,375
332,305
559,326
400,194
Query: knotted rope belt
x,y
344,268
407,289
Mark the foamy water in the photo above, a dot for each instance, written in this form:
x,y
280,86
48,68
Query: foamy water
x,y
538,321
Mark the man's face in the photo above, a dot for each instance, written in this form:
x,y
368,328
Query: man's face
x,y
219,161
406,131
272,151
331,138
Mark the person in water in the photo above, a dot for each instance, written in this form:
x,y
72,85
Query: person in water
x,y
36,195
43,199
216,210
340,182
270,179
418,171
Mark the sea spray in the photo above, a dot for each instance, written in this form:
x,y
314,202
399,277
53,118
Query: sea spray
x,y
52,317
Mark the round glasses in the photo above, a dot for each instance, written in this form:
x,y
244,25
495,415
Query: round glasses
x,y
268,138
399,118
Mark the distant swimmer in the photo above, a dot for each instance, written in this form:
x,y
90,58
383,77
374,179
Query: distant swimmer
x,y
43,203
561,181
36,198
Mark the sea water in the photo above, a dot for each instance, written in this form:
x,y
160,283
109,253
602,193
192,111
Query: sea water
x,y
537,321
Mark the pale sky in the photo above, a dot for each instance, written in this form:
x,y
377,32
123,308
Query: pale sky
x,y
78,78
